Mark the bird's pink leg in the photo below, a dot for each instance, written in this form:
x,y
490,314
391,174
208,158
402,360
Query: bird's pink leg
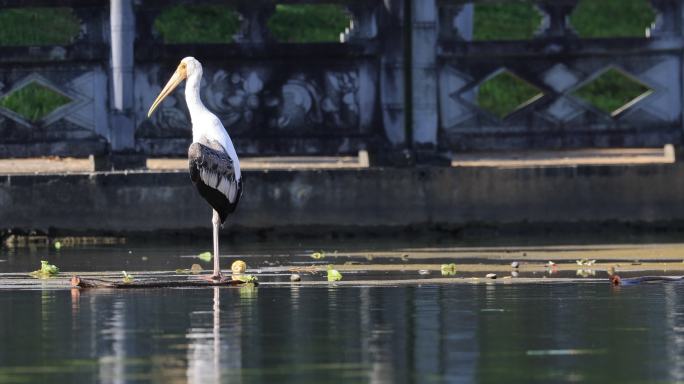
x,y
216,221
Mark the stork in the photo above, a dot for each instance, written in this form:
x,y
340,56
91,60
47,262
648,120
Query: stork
x,y
214,165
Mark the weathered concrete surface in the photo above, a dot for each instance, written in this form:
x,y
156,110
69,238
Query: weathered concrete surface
x,y
361,198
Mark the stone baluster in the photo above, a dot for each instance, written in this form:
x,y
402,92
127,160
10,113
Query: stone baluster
x,y
254,19
555,21
364,22
94,24
145,15
456,21
668,20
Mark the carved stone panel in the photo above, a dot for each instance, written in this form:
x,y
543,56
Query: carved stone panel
x,y
73,104
261,101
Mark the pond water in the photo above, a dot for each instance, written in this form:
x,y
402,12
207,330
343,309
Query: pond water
x,y
461,333
290,333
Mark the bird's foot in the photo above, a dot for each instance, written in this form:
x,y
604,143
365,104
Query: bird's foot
x,y
215,278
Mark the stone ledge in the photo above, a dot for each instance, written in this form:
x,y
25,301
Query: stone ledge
x,y
364,199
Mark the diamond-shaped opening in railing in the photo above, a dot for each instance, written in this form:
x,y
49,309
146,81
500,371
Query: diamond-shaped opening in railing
x,y
33,101
613,91
505,93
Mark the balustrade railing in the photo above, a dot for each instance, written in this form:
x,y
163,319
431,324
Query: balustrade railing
x,y
405,74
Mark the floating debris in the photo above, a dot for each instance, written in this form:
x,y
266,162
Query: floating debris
x,y
551,264
565,352
246,278
58,245
586,272
295,277
318,255
205,256
585,262
46,270
309,269
423,272
333,274
514,274
194,269
515,264
127,279
405,257
238,266
448,269
491,275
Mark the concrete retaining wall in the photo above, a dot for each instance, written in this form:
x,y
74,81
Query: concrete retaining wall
x,y
375,197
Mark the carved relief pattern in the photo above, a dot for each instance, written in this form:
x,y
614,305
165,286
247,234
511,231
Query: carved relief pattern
x,y
303,104
82,117
234,98
247,103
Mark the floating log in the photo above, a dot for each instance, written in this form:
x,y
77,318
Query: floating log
x,y
79,282
617,280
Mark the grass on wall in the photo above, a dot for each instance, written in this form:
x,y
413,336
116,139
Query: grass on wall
x,y
610,91
37,26
504,93
184,24
505,21
307,23
517,20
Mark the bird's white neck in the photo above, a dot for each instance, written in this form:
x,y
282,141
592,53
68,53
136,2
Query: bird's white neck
x,y
192,96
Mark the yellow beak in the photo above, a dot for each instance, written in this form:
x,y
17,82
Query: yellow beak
x,y
176,79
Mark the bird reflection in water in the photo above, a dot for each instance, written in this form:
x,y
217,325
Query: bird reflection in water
x,y
212,355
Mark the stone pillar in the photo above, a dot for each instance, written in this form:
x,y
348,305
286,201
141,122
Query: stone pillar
x,y
392,72
122,131
424,33
254,18
555,21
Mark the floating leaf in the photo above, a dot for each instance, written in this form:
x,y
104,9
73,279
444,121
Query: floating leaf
x,y
196,268
46,270
448,269
205,256
334,274
318,255
126,277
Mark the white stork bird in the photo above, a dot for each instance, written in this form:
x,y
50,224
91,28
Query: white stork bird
x,y
214,165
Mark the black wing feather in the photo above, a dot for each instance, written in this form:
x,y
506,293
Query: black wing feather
x,y
215,166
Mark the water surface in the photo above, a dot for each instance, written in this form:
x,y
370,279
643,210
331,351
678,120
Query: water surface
x,y
461,333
